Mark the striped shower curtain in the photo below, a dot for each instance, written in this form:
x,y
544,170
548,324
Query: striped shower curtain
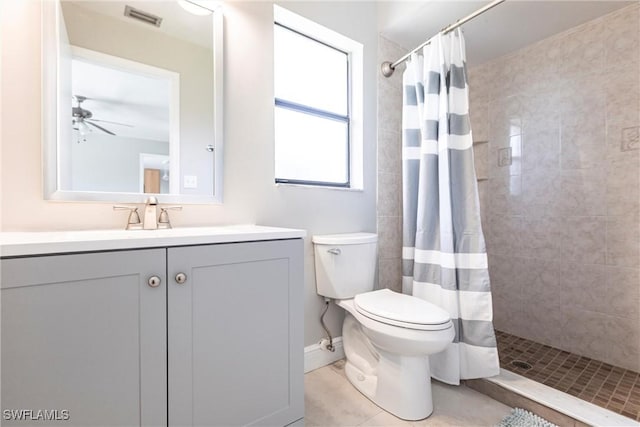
x,y
444,256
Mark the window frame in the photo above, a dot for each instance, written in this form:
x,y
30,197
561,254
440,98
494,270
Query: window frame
x,y
353,52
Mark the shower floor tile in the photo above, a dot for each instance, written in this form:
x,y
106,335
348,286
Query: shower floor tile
x,y
605,385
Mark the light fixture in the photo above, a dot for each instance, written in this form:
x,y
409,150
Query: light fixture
x,y
199,7
82,128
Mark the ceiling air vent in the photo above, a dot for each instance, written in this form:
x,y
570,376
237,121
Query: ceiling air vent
x,y
142,16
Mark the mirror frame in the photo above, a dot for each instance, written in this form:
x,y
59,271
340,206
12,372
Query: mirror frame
x,y
51,11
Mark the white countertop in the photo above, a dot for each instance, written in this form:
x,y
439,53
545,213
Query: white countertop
x,y
51,242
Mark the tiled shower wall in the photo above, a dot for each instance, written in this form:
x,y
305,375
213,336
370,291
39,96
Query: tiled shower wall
x,y
560,187
389,169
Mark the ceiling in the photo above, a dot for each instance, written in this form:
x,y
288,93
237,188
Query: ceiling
x,y
503,29
137,103
176,22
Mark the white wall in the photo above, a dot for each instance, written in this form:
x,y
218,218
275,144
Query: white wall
x,y
250,193
109,163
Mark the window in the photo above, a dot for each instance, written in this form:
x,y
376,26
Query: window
x,y
317,135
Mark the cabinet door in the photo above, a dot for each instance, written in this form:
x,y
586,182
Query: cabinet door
x,y
85,333
235,331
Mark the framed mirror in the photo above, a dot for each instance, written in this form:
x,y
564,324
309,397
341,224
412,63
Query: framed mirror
x,y
132,100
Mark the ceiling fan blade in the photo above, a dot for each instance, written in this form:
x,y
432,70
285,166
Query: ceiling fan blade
x,y
100,127
113,123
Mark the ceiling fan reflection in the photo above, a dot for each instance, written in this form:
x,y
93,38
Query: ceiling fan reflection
x,y
83,118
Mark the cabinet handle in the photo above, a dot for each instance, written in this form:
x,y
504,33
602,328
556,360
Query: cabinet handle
x,y
181,278
154,281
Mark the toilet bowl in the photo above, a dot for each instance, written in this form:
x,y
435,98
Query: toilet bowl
x,y
387,336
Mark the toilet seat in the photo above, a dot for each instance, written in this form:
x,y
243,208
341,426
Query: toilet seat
x,y
401,310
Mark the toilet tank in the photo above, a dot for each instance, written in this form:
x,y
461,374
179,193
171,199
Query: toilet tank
x,y
345,264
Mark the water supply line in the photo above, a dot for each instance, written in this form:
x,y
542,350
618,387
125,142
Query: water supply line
x,y
329,346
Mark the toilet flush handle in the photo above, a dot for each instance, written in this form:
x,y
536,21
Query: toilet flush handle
x,y
334,251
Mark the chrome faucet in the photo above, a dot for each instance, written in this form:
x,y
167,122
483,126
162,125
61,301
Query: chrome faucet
x,y
150,219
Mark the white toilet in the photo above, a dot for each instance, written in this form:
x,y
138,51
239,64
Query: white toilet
x,y
387,336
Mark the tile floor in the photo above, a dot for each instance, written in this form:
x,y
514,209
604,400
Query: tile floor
x,y
605,385
331,401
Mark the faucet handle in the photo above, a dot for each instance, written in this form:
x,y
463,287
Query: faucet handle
x,y
133,222
163,221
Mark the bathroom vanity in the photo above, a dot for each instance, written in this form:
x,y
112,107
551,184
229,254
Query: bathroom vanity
x,y
194,326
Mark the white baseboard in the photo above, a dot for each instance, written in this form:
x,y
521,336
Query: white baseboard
x,y
316,357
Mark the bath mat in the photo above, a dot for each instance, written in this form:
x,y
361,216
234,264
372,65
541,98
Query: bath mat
x,y
521,418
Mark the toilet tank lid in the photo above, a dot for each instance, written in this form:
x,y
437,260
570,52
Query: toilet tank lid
x,y
345,239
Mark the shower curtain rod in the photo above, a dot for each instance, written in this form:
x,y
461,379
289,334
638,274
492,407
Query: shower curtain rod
x,y
388,67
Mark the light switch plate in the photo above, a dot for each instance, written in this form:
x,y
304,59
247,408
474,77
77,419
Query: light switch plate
x,y
190,181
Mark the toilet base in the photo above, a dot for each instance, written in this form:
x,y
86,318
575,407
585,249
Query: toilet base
x,y
395,388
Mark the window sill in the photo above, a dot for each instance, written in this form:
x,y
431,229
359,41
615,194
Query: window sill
x,y
320,187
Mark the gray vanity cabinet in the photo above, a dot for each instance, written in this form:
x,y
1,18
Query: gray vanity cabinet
x,y
87,333
235,334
